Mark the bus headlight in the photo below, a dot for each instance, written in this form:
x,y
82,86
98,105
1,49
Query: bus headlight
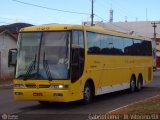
x,y
60,86
19,86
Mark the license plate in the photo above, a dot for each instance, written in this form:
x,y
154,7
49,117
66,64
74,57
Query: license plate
x,y
37,94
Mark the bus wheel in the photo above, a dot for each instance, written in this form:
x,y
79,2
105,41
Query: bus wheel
x,y
139,83
88,93
44,102
132,84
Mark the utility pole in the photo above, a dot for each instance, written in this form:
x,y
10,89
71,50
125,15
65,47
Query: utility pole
x,y
154,25
92,14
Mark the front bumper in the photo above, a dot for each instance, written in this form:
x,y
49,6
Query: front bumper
x,y
43,95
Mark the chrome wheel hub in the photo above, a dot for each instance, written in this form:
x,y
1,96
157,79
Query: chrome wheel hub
x,y
87,93
132,85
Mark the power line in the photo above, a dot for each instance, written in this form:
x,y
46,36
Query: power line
x,y
72,12
100,17
59,10
53,9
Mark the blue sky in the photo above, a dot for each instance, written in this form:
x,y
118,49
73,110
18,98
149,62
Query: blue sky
x,y
133,9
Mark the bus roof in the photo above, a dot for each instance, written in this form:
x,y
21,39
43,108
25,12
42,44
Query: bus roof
x,y
62,27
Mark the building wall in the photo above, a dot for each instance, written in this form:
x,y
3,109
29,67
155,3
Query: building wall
x,y
158,46
6,43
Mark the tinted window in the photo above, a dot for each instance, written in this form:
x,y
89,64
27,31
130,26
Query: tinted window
x,y
103,41
128,43
118,48
113,45
142,48
77,55
105,44
147,48
137,47
93,43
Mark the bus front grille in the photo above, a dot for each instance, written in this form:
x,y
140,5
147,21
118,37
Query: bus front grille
x,y
37,86
44,86
31,86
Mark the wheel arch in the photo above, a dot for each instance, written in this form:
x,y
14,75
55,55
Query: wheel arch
x,y
134,76
91,82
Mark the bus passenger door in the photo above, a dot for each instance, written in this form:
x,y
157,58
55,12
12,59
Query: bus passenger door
x,y
77,59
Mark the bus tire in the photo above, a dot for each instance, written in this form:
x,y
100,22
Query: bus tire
x,y
88,93
132,84
139,83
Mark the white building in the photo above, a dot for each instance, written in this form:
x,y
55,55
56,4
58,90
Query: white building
x,y
7,41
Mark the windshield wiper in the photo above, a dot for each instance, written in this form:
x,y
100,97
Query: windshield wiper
x,y
32,66
46,67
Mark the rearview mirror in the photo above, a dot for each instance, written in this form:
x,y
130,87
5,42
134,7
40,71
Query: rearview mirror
x,y
12,57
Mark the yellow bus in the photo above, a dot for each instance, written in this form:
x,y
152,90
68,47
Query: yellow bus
x,y
64,63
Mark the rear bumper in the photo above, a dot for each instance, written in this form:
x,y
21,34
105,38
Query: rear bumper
x,y
43,95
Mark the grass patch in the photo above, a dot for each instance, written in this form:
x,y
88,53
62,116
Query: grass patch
x,y
146,107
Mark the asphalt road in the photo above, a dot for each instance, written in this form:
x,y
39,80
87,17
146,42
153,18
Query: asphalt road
x,y
75,110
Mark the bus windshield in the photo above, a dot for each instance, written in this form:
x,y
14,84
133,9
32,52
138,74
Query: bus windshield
x,y
43,55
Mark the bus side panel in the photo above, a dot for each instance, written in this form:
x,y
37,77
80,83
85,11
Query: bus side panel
x,y
143,65
94,69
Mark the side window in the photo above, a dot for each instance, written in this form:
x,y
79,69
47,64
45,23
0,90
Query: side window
x,y
114,45
109,45
142,48
128,43
147,48
118,48
78,54
104,49
137,47
93,43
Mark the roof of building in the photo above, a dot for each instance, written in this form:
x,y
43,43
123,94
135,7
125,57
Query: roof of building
x,y
8,33
144,28
15,27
